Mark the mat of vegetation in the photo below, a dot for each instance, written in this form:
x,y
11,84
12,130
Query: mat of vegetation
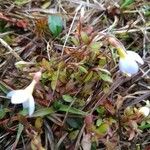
x,y
75,74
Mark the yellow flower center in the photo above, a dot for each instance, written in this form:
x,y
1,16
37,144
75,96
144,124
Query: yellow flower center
x,y
121,52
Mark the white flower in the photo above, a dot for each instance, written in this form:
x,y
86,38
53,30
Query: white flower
x,y
24,96
145,111
128,63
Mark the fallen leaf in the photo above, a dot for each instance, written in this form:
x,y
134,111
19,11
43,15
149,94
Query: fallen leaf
x,y
86,142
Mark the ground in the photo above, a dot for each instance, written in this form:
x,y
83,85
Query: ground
x,y
82,99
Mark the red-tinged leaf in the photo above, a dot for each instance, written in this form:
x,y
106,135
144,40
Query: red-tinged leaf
x,y
111,145
70,86
147,147
109,106
43,102
22,24
89,120
17,22
5,18
132,135
36,142
119,102
89,30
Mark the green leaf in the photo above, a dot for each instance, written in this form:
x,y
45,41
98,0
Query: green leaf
x,y
99,122
101,110
95,46
85,37
38,123
66,108
20,129
3,87
75,41
83,69
21,2
105,71
46,4
63,76
43,112
54,80
57,105
3,112
55,24
53,84
126,3
67,98
24,112
106,77
94,146
75,123
102,61
103,128
73,135
147,13
89,76
146,126
105,87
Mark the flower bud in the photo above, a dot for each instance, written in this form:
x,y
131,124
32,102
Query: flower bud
x,y
145,111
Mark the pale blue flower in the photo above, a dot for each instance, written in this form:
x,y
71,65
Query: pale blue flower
x,y
24,96
145,111
129,63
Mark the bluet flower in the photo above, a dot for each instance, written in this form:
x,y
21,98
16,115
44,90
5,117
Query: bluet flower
x,y
24,96
129,64
145,111
128,60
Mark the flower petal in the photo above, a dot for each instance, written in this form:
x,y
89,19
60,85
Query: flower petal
x,y
136,57
30,105
128,66
10,94
18,96
145,111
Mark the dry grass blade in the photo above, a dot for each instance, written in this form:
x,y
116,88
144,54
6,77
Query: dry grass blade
x,y
10,49
49,135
